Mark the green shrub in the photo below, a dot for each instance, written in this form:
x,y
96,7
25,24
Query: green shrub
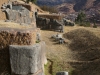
x,y
81,20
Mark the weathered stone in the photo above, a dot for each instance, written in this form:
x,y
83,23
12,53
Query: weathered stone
x,y
27,59
17,13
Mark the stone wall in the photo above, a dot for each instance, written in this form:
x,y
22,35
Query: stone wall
x,y
2,14
10,36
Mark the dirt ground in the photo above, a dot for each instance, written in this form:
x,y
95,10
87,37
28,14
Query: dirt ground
x,y
59,55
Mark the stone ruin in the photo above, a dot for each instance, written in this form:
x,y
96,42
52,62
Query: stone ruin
x,y
19,52
18,13
51,24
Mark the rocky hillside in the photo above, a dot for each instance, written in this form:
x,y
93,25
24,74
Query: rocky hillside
x,y
83,4
70,5
65,8
50,2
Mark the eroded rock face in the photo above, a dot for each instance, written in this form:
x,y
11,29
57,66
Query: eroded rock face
x,y
27,59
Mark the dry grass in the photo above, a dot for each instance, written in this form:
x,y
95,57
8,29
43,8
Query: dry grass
x,y
61,54
84,45
14,25
85,49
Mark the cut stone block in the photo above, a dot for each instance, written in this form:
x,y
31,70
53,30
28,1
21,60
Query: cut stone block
x,y
26,59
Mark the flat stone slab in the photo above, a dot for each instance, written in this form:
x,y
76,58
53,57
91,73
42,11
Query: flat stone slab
x,y
25,59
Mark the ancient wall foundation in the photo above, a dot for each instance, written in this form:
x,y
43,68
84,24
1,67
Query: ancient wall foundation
x,y
9,36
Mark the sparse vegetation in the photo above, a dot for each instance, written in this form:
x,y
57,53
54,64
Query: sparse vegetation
x,y
47,68
81,20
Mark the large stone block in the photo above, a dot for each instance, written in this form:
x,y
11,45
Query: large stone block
x,y
27,59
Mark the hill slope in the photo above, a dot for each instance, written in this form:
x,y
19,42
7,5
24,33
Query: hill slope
x,y
77,5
